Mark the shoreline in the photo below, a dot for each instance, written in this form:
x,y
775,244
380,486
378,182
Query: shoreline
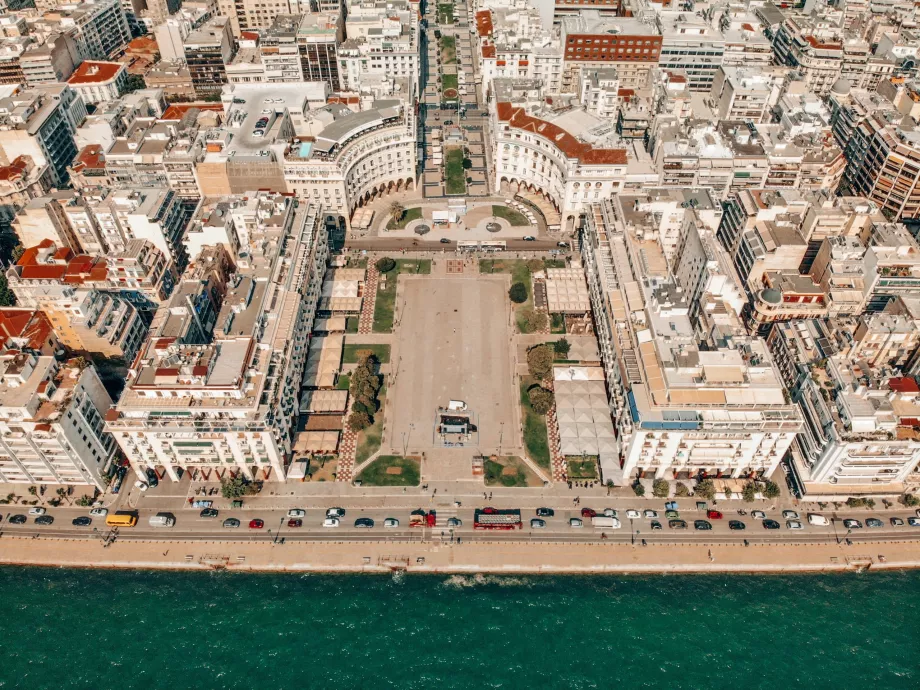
x,y
479,558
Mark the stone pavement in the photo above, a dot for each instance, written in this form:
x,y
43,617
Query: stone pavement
x,y
557,460
366,319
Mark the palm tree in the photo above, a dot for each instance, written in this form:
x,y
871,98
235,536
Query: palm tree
x,y
396,210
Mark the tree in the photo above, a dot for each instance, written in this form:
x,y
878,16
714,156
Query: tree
x,y
749,492
467,164
358,421
706,489
385,265
728,493
396,210
770,489
638,488
909,500
540,361
562,347
135,83
518,293
239,486
681,490
7,297
33,490
541,399
84,501
532,320
660,488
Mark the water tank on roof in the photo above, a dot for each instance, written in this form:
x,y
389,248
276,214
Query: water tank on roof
x,y
841,87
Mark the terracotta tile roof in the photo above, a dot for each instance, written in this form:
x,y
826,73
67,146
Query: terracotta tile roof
x,y
91,157
815,43
249,35
488,51
63,266
177,111
562,140
32,326
484,22
93,72
15,170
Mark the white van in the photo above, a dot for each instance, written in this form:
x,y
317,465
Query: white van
x,y
162,520
820,520
605,522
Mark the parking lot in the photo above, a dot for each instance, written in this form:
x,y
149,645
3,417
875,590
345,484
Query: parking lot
x,y
453,342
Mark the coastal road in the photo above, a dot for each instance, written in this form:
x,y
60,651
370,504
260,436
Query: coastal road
x,y
191,527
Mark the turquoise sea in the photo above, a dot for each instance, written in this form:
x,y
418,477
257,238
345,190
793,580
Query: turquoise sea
x,y
106,629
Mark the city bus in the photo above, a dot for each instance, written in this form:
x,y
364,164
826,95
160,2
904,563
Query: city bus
x,y
122,518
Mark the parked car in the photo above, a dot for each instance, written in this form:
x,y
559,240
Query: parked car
x,y
82,521
655,524
448,122
391,522
650,514
588,513
609,512
850,523
714,515
444,240
736,525
702,525
545,512
576,522
770,524
295,522
529,238
256,523
758,515
896,522
335,512
44,520
671,505
331,522
454,522
209,513
364,523
18,520
564,245
99,512
37,510
672,514
152,478
296,512
231,523
537,523
633,514
790,515
794,524
142,485
819,520
874,522
677,524
913,521
258,133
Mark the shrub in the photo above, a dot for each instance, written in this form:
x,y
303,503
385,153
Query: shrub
x,y
360,407
532,320
660,488
535,265
706,489
638,488
681,490
728,493
358,421
541,399
467,164
562,347
385,265
518,293
238,487
909,500
540,361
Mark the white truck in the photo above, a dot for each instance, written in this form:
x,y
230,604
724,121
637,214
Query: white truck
x,y
162,520
602,522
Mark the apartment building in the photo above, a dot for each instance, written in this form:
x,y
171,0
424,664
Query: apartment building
x,y
743,93
691,47
382,44
208,50
99,27
592,40
97,81
20,182
51,429
231,405
318,39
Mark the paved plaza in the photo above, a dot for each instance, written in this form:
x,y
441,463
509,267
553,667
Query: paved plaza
x,y
453,342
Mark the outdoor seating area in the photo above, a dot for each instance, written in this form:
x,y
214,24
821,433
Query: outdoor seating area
x,y
323,361
342,291
567,291
525,209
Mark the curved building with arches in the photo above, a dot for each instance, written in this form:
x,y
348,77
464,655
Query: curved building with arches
x,y
356,158
534,156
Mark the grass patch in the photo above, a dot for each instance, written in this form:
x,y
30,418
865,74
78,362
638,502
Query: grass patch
x,y
448,81
554,263
322,468
351,350
385,303
351,324
509,471
413,266
407,217
519,274
445,14
392,470
516,218
536,440
343,383
556,323
581,468
368,441
456,175
448,50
